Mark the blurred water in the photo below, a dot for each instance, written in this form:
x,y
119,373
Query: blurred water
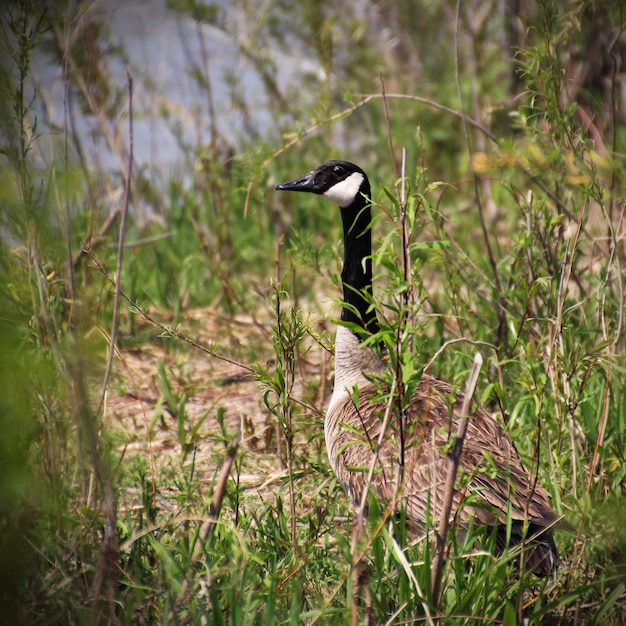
x,y
163,48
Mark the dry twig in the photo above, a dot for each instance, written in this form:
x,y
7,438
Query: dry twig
x,y
219,491
453,466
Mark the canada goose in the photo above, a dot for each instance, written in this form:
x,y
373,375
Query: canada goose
x,y
498,480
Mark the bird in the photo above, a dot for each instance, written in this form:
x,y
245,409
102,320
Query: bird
x,y
500,485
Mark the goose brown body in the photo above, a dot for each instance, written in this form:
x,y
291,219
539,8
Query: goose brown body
x,y
352,438
498,487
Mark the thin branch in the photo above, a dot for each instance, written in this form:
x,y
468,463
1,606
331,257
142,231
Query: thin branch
x,y
468,146
87,422
120,248
66,115
219,491
108,555
449,342
211,351
357,530
367,97
93,240
388,126
408,298
453,466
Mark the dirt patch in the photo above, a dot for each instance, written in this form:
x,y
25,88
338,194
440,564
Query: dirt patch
x,y
178,407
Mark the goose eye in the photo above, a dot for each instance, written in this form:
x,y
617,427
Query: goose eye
x,y
338,170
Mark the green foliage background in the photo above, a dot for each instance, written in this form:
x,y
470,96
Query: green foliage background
x,y
512,125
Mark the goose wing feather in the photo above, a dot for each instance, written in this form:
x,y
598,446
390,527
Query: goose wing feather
x,y
495,475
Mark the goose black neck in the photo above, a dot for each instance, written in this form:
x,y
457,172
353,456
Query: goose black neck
x,y
356,275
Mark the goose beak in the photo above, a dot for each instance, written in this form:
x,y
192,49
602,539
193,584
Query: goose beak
x,y
304,183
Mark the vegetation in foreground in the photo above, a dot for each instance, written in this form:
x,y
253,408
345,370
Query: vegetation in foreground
x,y
162,451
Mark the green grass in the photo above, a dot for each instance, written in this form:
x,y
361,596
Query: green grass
x,y
225,332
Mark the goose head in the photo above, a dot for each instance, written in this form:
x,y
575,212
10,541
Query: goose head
x,y
341,182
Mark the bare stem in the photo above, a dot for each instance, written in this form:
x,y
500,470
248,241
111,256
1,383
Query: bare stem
x,y
210,350
120,248
453,466
219,491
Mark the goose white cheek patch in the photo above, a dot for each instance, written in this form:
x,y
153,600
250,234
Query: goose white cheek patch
x,y
344,192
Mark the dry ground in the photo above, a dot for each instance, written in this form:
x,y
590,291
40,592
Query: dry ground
x,y
189,438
